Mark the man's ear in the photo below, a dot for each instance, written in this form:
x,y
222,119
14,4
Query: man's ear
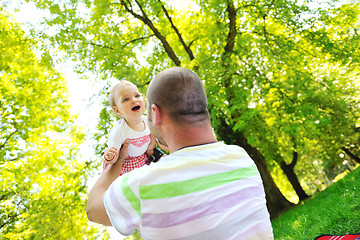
x,y
155,115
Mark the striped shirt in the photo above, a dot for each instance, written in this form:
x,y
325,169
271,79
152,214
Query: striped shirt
x,y
211,191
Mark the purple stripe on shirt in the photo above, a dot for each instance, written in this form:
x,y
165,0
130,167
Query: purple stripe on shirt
x,y
173,218
242,227
120,209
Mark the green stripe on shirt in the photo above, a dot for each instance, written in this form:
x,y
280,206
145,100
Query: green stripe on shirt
x,y
129,194
173,189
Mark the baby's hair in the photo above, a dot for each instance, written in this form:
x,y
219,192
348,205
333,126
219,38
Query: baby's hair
x,y
113,90
112,95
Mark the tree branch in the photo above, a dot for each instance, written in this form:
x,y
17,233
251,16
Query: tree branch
x,y
149,23
187,47
130,10
230,43
13,159
102,46
137,39
351,155
8,139
232,28
294,159
10,219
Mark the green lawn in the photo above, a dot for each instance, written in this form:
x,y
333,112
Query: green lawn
x,y
336,210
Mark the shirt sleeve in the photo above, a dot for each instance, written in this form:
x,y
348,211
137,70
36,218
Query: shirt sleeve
x,y
116,138
122,204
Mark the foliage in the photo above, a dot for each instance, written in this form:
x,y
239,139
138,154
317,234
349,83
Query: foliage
x,y
336,211
278,73
43,186
135,236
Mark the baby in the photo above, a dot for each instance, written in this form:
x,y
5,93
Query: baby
x,y
128,104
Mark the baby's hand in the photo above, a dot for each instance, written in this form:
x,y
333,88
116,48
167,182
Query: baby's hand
x,y
111,155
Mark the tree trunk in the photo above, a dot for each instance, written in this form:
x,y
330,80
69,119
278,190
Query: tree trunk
x,y
293,179
276,202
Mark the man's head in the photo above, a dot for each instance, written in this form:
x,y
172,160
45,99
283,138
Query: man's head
x,y
180,94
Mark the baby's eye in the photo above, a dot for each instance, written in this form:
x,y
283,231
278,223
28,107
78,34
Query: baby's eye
x,y
125,99
138,95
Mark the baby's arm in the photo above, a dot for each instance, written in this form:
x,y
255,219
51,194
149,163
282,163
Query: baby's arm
x,y
111,155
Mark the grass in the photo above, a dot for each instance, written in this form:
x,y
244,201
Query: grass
x,y
336,211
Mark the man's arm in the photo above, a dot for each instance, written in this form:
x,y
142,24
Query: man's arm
x,y
95,208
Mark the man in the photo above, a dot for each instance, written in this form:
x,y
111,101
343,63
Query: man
x,y
204,189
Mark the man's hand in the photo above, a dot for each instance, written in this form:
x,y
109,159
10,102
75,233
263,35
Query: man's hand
x,y
95,209
123,153
163,147
152,145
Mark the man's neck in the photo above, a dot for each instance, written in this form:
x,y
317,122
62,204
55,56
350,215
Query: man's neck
x,y
192,136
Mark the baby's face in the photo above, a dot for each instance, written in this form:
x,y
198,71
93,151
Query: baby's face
x,y
129,102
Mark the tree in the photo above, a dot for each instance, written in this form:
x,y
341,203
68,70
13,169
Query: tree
x,y
43,186
262,63
311,106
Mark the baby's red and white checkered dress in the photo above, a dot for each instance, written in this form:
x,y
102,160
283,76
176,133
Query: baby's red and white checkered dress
x,y
130,163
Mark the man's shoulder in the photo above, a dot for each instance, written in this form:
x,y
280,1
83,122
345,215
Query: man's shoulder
x,y
210,148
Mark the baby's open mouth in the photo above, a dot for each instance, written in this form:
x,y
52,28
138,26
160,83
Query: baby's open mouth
x,y
135,108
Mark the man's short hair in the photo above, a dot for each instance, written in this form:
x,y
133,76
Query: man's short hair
x,y
181,93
